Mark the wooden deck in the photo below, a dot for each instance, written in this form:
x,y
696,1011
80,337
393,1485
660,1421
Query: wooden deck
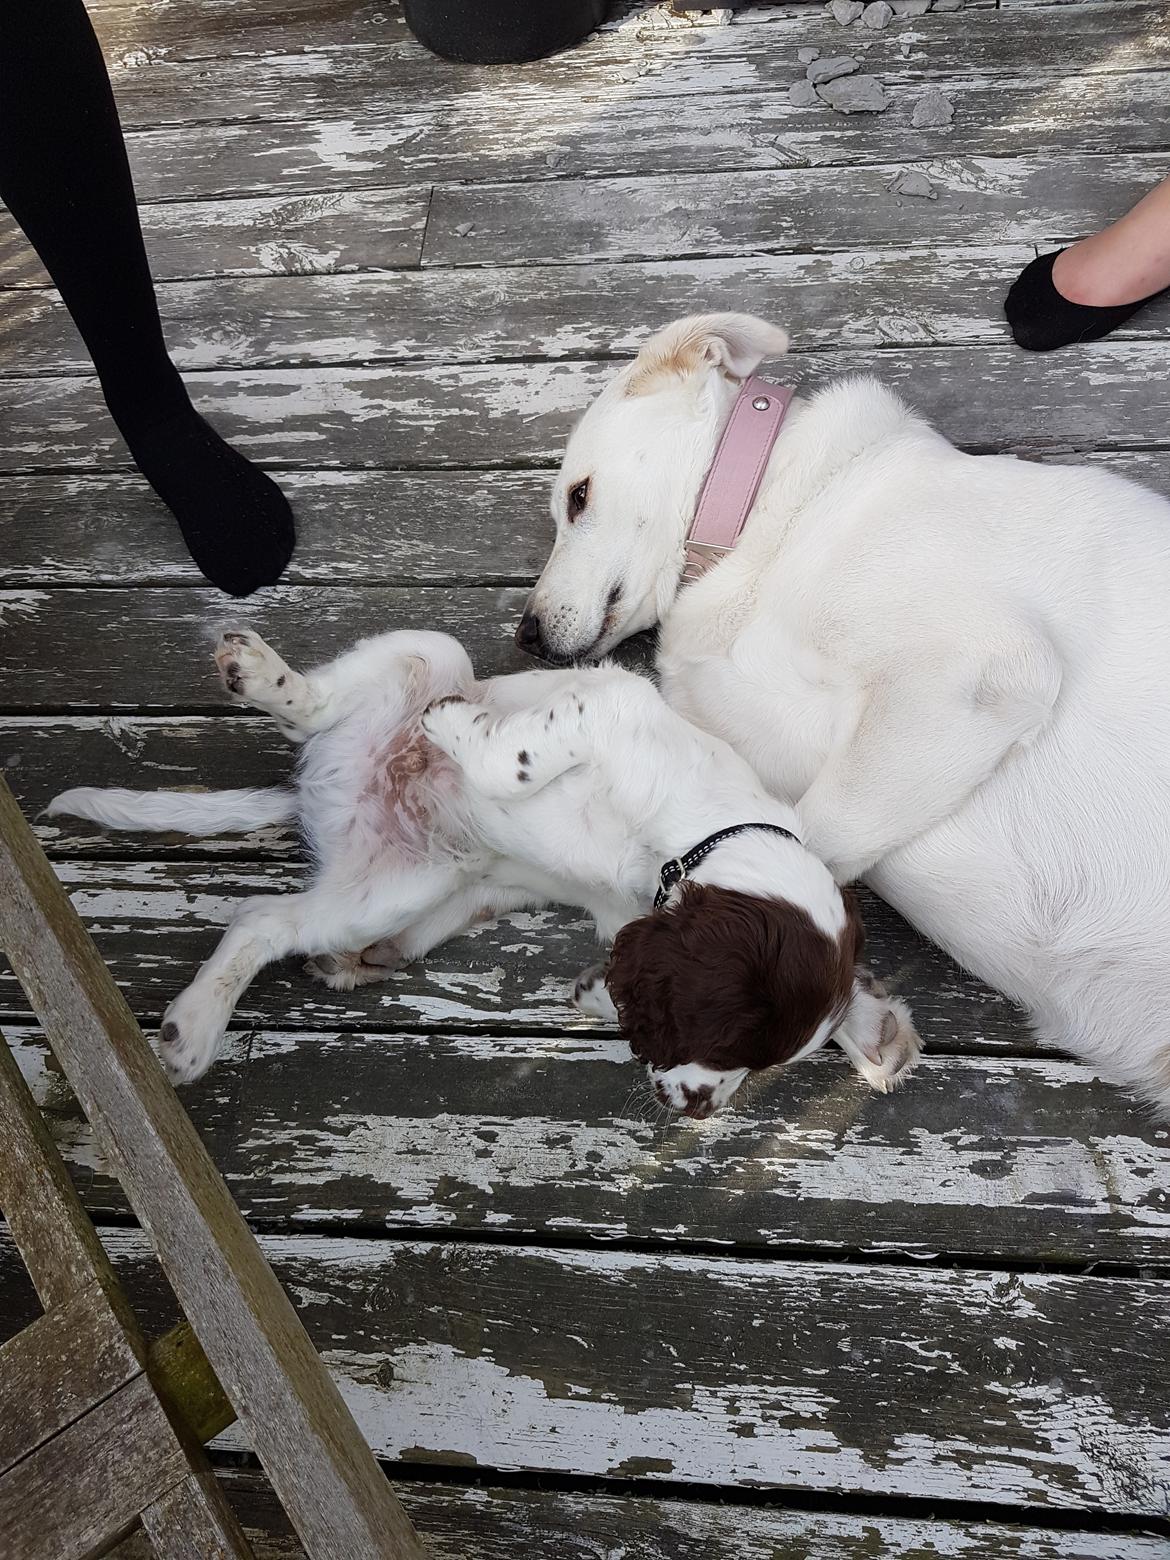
x,y
823,1327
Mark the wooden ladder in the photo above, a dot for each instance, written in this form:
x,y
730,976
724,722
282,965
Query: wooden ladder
x,y
100,1432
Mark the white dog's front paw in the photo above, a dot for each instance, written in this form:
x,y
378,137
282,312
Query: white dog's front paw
x,y
188,1041
591,994
251,670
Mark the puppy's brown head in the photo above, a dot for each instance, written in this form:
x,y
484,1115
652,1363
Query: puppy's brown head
x,y
720,984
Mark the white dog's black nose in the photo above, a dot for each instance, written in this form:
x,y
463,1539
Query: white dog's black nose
x,y
528,635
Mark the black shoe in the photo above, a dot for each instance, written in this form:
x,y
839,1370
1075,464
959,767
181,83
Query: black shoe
x,y
1042,318
502,32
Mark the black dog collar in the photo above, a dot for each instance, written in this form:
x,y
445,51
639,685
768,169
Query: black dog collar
x,y
682,866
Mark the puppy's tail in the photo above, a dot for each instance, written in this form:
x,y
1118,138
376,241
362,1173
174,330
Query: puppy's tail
x,y
185,812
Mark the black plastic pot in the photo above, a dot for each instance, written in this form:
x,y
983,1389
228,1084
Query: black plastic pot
x,y
500,32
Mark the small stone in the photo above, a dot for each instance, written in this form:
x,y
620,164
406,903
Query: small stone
x,y
910,7
829,70
911,181
877,16
463,228
855,95
932,110
806,56
555,159
802,94
846,11
947,5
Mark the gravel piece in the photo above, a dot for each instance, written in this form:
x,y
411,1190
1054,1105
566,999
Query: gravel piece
x,y
829,70
932,110
855,95
846,11
463,228
910,7
947,5
878,16
913,182
802,94
806,56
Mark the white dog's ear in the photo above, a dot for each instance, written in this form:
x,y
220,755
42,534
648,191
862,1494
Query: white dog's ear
x,y
735,343
877,1034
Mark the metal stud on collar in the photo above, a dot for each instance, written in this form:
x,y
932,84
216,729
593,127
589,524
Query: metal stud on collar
x,y
761,403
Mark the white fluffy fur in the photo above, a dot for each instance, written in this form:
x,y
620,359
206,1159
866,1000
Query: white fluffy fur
x,y
570,787
957,666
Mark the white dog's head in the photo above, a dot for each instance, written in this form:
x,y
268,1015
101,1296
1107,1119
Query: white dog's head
x,y
626,491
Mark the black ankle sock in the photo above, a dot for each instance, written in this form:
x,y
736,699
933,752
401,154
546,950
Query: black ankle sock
x,y
236,522
65,178
1042,318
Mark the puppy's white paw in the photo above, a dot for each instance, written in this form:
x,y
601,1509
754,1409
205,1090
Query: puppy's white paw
x,y
345,971
898,1050
591,995
188,1041
448,723
251,670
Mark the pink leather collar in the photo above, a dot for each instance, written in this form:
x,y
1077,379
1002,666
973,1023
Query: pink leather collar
x,y
730,486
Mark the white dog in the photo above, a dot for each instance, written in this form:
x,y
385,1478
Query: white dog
x,y
957,666
430,801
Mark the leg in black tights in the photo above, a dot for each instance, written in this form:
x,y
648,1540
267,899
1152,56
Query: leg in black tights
x,y
65,178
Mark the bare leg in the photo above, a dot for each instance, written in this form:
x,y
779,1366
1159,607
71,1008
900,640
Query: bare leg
x,y
1124,262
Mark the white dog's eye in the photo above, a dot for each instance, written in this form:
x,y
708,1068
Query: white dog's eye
x,y
578,498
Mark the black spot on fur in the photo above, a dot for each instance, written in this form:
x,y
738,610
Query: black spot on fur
x,y
522,757
170,1033
523,775
280,681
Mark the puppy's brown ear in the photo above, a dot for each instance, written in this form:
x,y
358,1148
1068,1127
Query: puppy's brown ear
x,y
726,979
734,343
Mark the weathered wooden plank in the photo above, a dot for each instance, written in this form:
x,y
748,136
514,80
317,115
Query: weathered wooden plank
x,y
522,134
1109,394
150,648
1033,1160
864,299
473,1522
154,922
1016,1388
108,1462
58,1368
199,29
366,527
284,235
62,1253
890,297
156,88
1030,199
318,1463
359,527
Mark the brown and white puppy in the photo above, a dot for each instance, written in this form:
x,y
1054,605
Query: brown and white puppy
x,y
717,986
431,799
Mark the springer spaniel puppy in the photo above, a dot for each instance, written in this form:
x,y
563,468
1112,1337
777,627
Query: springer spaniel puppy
x,y
430,800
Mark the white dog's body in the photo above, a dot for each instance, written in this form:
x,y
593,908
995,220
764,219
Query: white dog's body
x,y
423,817
956,665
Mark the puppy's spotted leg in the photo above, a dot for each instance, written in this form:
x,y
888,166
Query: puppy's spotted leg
x,y
510,755
591,995
254,674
